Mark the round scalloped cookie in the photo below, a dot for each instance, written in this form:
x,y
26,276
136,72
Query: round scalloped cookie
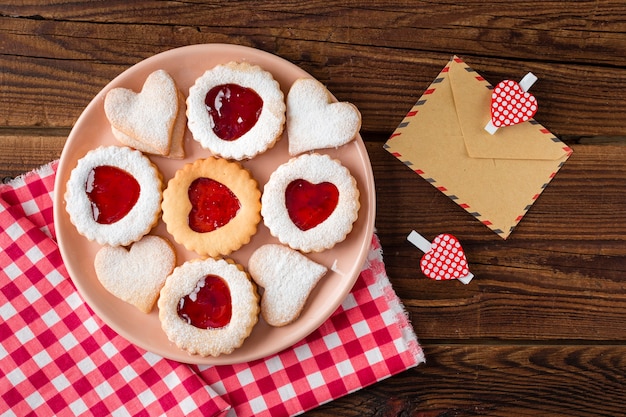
x,y
212,206
310,202
222,107
100,191
205,329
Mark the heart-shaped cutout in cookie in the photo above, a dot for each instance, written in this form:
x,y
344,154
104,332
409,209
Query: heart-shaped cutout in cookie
x,y
315,121
511,105
233,109
112,192
212,205
209,306
445,259
136,275
287,277
148,116
310,204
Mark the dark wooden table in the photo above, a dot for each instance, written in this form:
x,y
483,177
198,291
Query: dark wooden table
x,y
541,330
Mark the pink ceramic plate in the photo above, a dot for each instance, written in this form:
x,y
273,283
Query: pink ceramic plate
x,y
92,130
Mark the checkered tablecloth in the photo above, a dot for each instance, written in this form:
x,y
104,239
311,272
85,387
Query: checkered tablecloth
x,y
58,358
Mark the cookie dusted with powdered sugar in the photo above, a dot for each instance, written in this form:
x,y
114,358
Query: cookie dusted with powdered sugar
x,y
236,110
310,202
113,195
315,120
137,274
208,307
287,277
152,120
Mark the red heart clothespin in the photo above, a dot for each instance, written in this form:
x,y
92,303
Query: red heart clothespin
x,y
511,103
443,259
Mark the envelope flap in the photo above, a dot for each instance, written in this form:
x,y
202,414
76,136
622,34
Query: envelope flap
x,y
498,186
472,101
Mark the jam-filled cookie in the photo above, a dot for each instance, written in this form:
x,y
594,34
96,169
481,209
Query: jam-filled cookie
x,y
212,206
236,110
310,202
113,195
208,307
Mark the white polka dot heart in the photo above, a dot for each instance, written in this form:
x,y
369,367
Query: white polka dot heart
x,y
443,259
511,105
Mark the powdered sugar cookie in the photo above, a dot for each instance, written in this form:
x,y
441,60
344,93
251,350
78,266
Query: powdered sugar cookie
x,y
151,121
136,275
113,195
176,148
310,202
236,110
315,120
208,307
212,206
288,277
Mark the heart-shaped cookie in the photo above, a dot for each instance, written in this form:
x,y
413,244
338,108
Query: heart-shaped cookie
x,y
315,121
177,146
288,277
149,116
136,275
511,105
445,259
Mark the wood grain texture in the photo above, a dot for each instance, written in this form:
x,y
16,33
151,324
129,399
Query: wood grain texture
x,y
498,380
380,56
22,153
540,330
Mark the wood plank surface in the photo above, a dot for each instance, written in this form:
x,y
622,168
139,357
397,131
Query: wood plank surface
x,y
394,51
496,380
541,331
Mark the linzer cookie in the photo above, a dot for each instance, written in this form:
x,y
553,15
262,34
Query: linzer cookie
x,y
212,206
151,121
310,202
113,195
208,307
315,120
236,110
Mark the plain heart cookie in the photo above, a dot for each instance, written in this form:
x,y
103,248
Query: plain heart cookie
x,y
315,120
176,148
287,277
153,120
136,275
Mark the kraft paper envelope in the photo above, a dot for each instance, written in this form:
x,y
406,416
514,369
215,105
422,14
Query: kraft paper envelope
x,y
496,178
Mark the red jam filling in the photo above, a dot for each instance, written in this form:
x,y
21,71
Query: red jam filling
x,y
212,205
112,191
208,306
310,204
233,109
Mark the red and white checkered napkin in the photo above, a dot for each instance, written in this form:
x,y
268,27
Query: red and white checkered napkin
x,y
58,358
